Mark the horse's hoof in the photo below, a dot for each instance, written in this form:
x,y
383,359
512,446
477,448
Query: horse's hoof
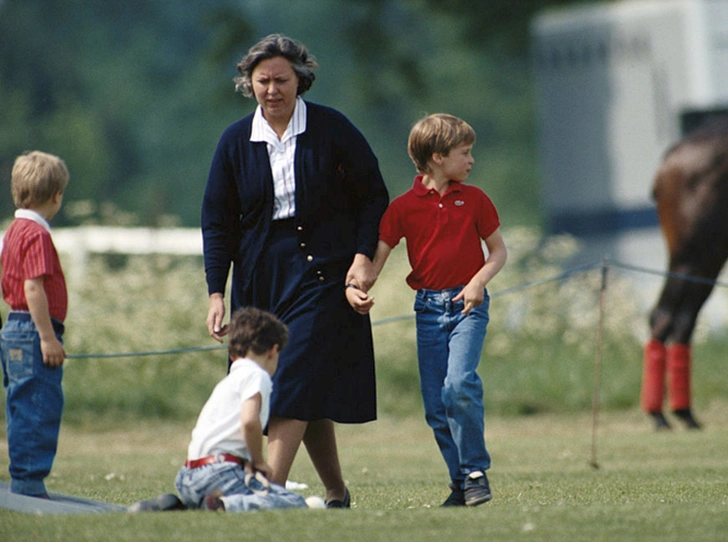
x,y
661,423
686,416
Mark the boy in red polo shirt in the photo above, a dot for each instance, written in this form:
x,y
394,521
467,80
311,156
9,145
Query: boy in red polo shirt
x,y
31,347
443,222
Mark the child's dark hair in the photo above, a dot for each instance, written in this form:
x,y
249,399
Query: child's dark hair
x,y
256,330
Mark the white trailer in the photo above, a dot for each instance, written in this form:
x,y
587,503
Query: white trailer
x,y
616,85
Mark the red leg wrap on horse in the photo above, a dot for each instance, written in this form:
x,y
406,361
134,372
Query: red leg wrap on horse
x,y
653,376
678,375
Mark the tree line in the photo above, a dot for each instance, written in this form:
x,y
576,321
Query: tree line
x,y
134,95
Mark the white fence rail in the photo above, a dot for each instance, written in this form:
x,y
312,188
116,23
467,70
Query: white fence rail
x,y
78,243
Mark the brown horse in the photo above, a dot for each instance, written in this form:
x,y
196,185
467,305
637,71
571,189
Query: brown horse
x,y
691,192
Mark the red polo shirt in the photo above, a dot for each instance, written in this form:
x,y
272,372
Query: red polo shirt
x,y
28,253
443,233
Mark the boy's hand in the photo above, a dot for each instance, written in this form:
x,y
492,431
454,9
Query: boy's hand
x,y
358,299
51,348
53,352
259,466
473,295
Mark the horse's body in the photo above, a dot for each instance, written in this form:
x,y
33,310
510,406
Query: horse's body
x,y
691,192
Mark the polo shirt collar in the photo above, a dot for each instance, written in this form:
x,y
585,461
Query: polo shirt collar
x,y
262,131
32,215
421,190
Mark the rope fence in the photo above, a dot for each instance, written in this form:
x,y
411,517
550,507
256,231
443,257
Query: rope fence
x,y
604,264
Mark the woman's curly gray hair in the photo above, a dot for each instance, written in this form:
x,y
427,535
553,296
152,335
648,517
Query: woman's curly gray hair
x,y
273,46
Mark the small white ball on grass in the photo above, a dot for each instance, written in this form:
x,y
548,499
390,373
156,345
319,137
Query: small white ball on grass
x,y
314,501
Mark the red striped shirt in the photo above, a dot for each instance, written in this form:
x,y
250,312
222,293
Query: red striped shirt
x,y
29,253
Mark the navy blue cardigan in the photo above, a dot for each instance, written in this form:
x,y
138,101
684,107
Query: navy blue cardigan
x,y
340,198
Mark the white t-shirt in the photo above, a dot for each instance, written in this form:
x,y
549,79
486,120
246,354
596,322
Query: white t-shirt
x,y
219,429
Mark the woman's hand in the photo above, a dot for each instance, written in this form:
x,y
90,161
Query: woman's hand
x,y
215,316
362,273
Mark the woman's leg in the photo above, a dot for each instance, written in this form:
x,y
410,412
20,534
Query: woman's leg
x,y
320,442
284,439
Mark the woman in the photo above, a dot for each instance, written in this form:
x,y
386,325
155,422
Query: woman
x,y
293,201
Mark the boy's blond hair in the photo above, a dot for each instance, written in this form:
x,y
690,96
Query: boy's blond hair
x,y
37,176
437,133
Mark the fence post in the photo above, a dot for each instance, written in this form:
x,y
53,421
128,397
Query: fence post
x,y
598,364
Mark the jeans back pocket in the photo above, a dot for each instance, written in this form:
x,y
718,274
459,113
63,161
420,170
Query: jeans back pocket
x,y
17,355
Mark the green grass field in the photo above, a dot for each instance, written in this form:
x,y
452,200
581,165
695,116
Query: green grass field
x,y
670,486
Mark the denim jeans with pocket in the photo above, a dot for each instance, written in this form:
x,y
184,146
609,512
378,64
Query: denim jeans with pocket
x,y
449,344
33,404
229,479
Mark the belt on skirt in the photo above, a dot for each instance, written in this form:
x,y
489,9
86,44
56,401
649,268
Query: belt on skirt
x,y
214,458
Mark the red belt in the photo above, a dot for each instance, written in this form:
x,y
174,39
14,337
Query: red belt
x,y
215,458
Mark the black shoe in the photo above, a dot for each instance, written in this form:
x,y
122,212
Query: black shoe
x,y
456,498
346,503
477,489
163,503
661,423
686,416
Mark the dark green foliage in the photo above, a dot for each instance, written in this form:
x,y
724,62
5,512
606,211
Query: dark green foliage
x,y
134,95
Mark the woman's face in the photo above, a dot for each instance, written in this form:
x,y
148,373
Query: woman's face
x,y
275,86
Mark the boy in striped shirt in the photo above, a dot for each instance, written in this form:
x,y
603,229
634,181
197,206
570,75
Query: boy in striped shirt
x,y
31,347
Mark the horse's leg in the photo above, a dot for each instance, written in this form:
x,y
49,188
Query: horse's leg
x,y
679,361
666,192
679,353
654,365
654,358
667,355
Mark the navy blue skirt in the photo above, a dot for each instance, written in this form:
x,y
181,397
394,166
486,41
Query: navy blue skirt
x,y
327,368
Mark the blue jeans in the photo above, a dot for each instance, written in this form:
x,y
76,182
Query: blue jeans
x,y
449,345
33,404
229,478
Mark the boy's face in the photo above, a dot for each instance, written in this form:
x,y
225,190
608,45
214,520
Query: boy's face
x,y
457,164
